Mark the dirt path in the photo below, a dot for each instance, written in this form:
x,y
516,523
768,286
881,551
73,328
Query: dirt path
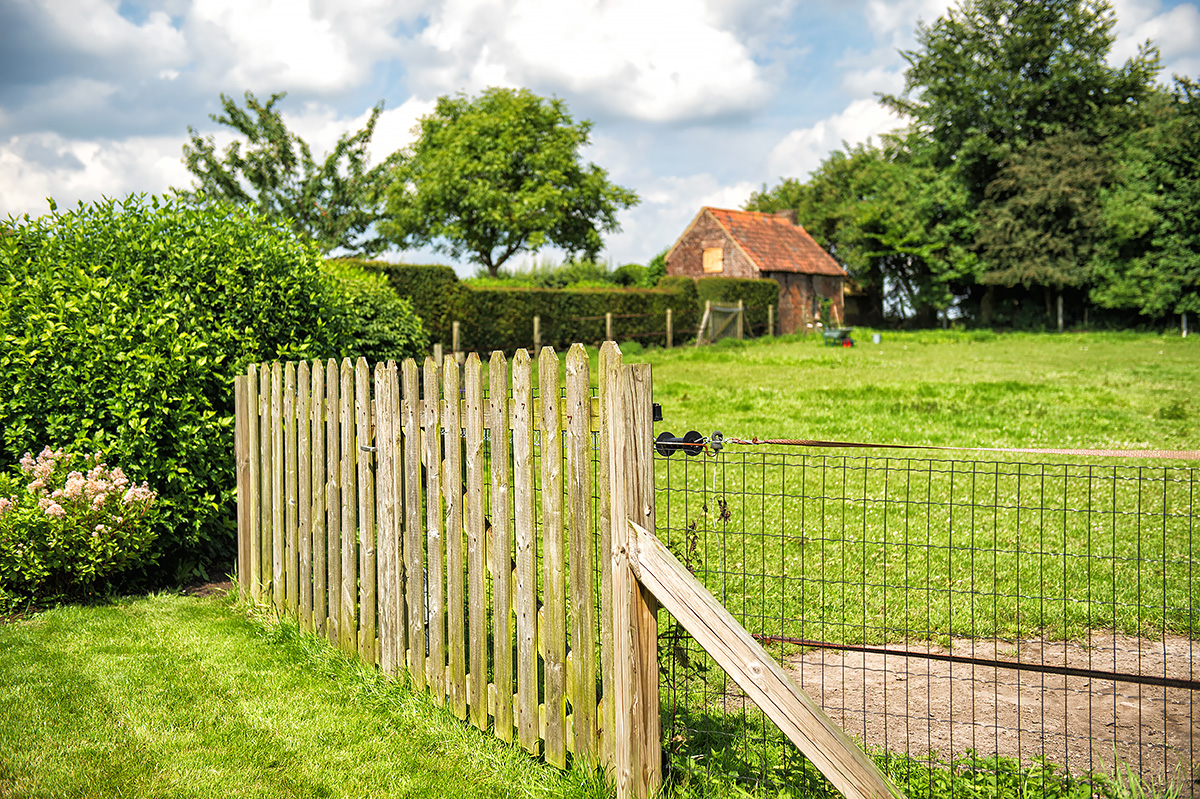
x,y
927,706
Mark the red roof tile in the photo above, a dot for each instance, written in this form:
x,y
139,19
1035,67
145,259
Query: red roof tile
x,y
774,244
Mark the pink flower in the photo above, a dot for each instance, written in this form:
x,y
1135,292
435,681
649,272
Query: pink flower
x,y
45,502
36,485
140,493
27,462
6,505
118,478
74,485
55,510
98,501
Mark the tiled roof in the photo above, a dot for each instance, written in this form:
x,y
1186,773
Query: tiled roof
x,y
774,244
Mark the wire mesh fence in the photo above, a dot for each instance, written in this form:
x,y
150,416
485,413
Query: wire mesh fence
x,y
976,625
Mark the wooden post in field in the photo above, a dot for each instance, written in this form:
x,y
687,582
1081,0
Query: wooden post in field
x,y
741,320
454,330
241,448
637,762
670,330
608,326
437,352
1183,323
704,321
1060,313
537,333
770,320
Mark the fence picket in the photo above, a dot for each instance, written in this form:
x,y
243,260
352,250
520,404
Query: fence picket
x,y
304,494
452,486
333,500
501,550
320,596
241,451
385,517
254,453
266,569
367,552
476,546
279,559
436,579
553,627
414,545
397,489
347,621
291,526
523,512
579,499
609,360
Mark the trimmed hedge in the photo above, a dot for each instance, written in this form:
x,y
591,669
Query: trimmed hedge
x,y
501,317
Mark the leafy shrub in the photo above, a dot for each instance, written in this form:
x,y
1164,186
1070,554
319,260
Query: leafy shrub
x,y
434,292
380,324
121,327
69,522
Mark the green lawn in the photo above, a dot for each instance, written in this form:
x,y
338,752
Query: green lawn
x,y
172,696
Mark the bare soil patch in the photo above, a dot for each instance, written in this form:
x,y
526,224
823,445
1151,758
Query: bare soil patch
x,y
209,589
938,709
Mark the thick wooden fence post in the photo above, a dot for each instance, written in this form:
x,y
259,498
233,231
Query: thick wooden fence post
x,y
770,320
741,320
637,768
670,331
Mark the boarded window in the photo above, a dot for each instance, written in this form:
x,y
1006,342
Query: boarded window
x,y
713,259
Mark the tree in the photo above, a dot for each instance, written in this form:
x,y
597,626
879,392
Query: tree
x,y
892,221
1150,258
334,203
992,76
499,174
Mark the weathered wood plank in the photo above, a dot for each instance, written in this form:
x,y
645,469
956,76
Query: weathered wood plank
x,y
639,499
290,491
414,543
523,513
319,551
435,549
347,602
833,752
553,625
265,471
278,551
610,359
304,493
452,490
579,504
333,499
254,453
385,518
241,449
398,488
500,553
366,513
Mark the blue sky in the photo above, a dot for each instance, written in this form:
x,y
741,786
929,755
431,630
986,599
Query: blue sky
x,y
694,102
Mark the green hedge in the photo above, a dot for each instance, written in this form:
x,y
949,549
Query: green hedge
x,y
501,317
756,294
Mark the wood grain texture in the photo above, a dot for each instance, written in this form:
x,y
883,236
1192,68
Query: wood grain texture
x,y
291,491
304,494
241,451
526,550
254,453
364,436
609,360
431,423
477,547
577,415
348,600
385,519
501,548
265,470
278,552
553,627
333,500
414,545
836,756
452,493
320,591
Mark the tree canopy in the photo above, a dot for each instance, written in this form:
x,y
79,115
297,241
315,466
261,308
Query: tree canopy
x,y
334,203
491,176
1030,164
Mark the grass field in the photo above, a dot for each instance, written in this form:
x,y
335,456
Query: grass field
x,y
173,696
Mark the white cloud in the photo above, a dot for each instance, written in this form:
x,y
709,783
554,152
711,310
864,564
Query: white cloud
x,y
663,61
96,28
801,151
1175,31
36,166
321,126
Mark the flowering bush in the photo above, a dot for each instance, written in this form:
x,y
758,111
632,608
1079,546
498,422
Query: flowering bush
x,y
68,522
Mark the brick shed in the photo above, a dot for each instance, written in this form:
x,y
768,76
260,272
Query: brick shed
x,y
750,244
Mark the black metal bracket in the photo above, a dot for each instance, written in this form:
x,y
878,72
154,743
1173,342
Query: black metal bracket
x,y
666,444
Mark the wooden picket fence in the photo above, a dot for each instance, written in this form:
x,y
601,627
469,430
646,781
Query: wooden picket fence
x,y
466,539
